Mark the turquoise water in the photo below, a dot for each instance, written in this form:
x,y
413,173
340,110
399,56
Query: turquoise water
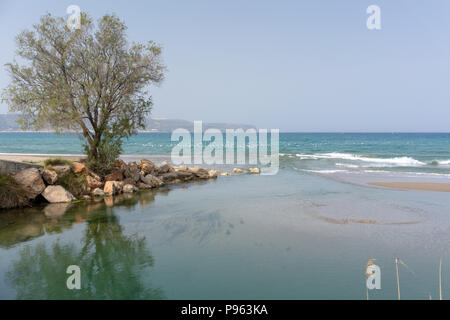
x,y
305,233
322,153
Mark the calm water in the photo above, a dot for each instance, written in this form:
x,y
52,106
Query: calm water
x,y
304,233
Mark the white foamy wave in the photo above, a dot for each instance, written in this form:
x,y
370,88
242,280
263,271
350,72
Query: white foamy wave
x,y
444,162
398,161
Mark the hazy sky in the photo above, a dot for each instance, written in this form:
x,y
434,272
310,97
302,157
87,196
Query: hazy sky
x,y
293,65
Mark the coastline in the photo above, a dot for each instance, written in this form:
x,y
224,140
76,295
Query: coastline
x,y
417,186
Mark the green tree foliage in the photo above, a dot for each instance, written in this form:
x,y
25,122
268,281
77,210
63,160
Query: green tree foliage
x,y
89,80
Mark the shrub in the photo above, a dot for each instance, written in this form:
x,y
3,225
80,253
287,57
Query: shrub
x,y
76,184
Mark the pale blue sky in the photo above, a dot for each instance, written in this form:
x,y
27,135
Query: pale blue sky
x,y
294,65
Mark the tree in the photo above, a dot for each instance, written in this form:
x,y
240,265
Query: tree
x,y
88,80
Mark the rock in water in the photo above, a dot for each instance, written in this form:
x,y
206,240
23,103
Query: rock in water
x,y
144,186
57,194
31,181
129,188
152,181
98,192
213,173
237,170
112,188
254,170
49,176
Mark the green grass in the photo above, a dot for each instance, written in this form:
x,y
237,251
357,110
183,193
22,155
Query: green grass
x,y
57,162
76,184
11,193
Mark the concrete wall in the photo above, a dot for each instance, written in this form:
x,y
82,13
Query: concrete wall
x,y
12,167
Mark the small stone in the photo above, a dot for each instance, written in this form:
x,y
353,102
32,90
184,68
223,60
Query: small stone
x,y
86,197
237,170
225,174
254,170
94,183
213,173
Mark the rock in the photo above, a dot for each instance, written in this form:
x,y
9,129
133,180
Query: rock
x,y
86,197
129,188
57,194
168,177
144,186
146,166
184,175
213,173
200,173
176,181
152,181
119,163
61,170
237,170
98,192
130,181
94,183
131,172
95,176
225,174
49,176
112,188
31,181
116,175
164,167
254,170
78,167
181,168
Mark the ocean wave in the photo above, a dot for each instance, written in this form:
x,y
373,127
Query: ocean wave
x,y
398,161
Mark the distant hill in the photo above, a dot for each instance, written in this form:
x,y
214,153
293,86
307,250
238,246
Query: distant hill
x,y
8,123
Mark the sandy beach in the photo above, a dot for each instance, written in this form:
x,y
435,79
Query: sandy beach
x,y
38,157
424,186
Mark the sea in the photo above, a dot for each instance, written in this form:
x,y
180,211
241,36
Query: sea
x,y
306,232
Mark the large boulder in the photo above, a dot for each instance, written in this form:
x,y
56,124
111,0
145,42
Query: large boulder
x,y
49,176
146,166
131,172
112,188
57,194
116,175
151,180
31,181
200,173
164,167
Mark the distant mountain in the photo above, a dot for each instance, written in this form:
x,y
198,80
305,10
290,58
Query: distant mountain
x,y
8,123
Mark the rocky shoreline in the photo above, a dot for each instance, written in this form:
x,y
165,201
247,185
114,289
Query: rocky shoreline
x,y
66,181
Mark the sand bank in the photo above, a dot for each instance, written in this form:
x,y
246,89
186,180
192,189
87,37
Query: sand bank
x,y
425,186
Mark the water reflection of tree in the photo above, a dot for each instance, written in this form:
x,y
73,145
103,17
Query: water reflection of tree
x,y
113,265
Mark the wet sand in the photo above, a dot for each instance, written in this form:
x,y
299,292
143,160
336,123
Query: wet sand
x,y
424,186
